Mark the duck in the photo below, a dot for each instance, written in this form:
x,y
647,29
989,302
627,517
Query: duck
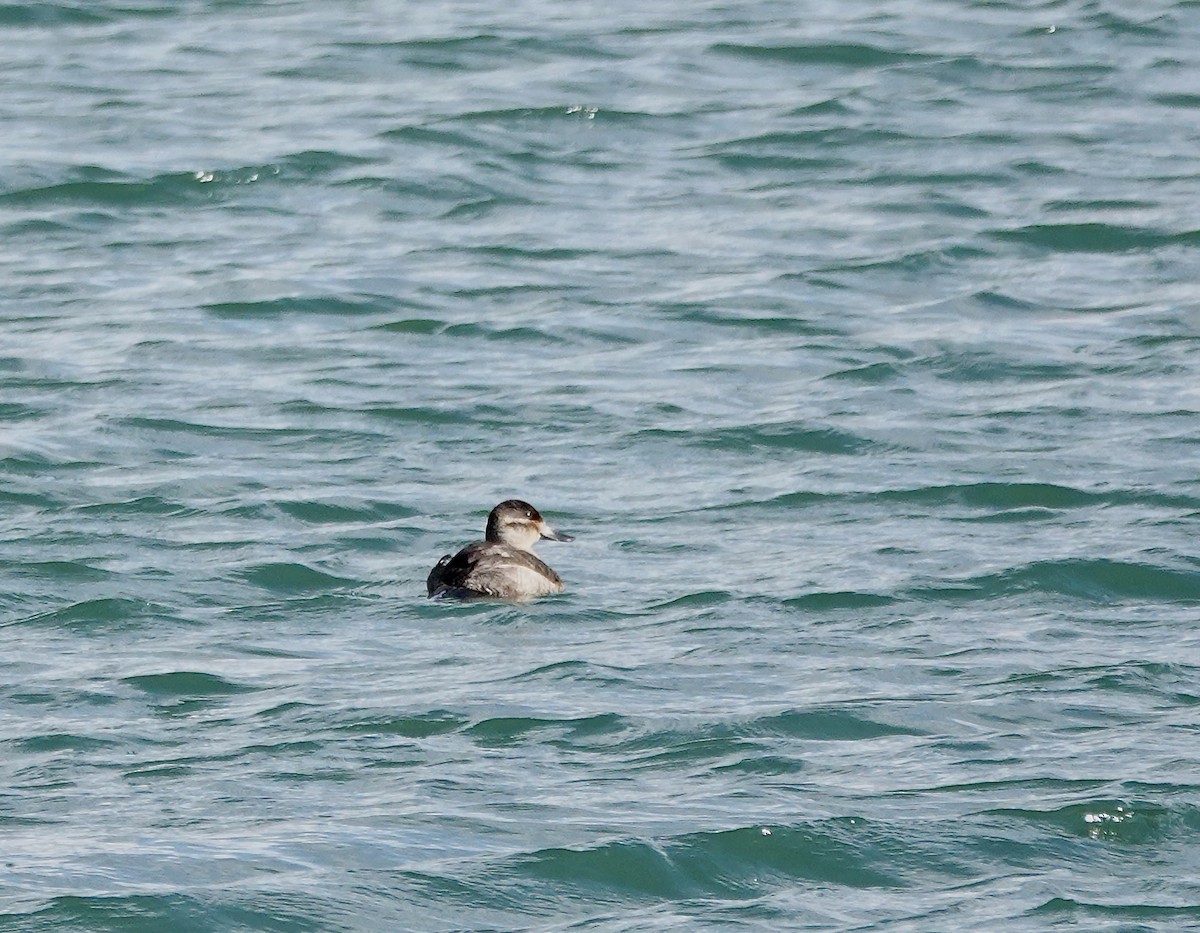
x,y
502,565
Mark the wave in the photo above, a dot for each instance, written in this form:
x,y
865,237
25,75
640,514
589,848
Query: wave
x,y
1128,822
506,730
92,905
729,745
1096,238
838,600
575,672
185,685
458,53
73,571
1055,496
734,863
849,852
413,726
1175,917
204,430
847,54
100,612
340,306
782,436
986,497
140,505
1093,580
292,577
335,512
46,14
97,186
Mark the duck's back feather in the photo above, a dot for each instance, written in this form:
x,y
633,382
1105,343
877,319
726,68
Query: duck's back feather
x,y
494,570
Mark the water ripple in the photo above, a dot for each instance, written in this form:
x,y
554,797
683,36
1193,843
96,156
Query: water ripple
x,y
856,344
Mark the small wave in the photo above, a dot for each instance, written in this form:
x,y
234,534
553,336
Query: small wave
x,y
481,51
185,684
421,327
838,600
701,600
845,54
828,724
62,742
1092,205
1052,496
327,512
739,745
66,570
1096,238
209,430
784,436
108,189
315,163
418,415
417,726
140,505
1128,822
789,437
798,151
703,749
1173,683
14,497
424,135
94,905
1177,100
733,863
105,611
104,188
1187,916
1100,581
299,305
1136,676
520,334
787,500
520,116
44,14
979,366
19,411
743,161
507,730
1154,26
997,495
909,261
868,373
762,324
762,765
575,672
287,707
294,578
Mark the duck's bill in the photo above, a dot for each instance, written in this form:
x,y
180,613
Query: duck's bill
x,y
550,534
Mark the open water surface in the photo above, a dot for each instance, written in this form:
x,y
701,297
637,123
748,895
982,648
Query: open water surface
x,y
856,342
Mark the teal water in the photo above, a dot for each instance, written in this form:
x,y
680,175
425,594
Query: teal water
x,y
857,344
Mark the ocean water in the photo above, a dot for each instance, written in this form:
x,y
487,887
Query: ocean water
x,y
858,343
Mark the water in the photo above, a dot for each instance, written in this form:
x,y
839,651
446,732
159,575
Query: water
x,y
855,342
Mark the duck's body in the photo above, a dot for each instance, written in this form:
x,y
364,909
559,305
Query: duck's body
x,y
503,566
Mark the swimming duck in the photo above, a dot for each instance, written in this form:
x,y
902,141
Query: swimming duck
x,y
503,565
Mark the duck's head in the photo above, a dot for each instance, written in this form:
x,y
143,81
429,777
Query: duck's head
x,y
519,524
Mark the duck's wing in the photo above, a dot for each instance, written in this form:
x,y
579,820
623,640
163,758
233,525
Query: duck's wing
x,y
434,581
500,572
